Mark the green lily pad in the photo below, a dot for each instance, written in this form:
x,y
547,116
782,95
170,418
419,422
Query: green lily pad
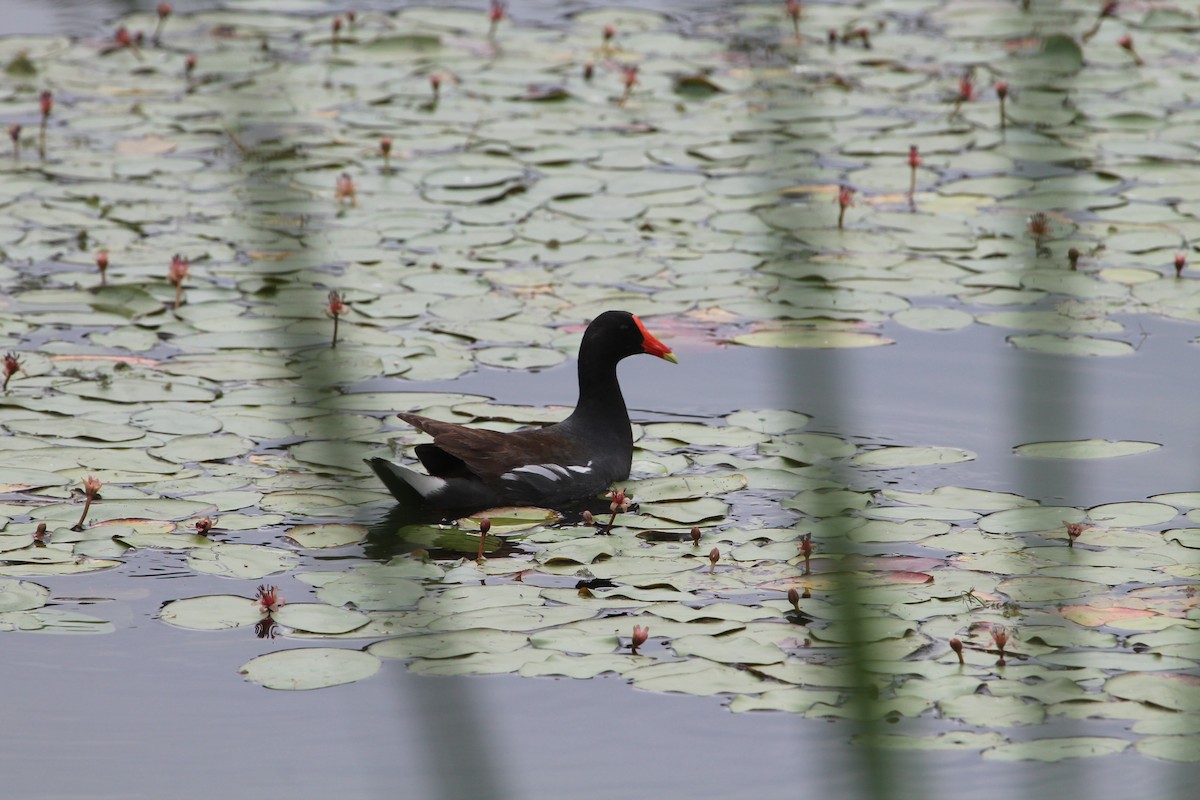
x,y
321,536
22,596
1085,448
1175,691
1056,749
683,487
1169,748
992,712
309,668
727,649
211,612
319,618
894,457
450,644
245,561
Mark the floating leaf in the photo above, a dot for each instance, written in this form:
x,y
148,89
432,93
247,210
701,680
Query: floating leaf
x,y
245,561
1056,749
1085,448
211,612
893,457
727,649
319,618
449,644
322,536
310,668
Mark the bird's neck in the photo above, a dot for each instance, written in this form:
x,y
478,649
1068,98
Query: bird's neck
x,y
600,399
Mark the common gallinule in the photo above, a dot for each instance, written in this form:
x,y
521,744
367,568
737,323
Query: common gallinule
x,y
472,469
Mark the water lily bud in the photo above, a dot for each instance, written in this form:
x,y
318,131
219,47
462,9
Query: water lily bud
x,y
12,365
966,88
1180,263
1126,44
695,535
485,525
957,647
794,598
714,556
640,634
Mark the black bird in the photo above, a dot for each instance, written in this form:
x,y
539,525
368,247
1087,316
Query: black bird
x,y
472,469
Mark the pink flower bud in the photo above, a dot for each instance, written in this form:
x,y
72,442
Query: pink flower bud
x,y
640,634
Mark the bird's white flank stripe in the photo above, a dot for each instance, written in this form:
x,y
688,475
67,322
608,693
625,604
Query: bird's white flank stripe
x,y
551,472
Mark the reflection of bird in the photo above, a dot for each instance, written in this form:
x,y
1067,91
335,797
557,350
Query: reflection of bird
x,y
472,469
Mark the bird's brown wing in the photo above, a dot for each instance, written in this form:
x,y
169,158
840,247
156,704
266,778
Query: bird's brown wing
x,y
487,454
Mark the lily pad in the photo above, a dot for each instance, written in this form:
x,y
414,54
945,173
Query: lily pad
x,y
211,612
245,561
1085,448
309,668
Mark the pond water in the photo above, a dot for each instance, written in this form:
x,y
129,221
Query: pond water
x,y
151,710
